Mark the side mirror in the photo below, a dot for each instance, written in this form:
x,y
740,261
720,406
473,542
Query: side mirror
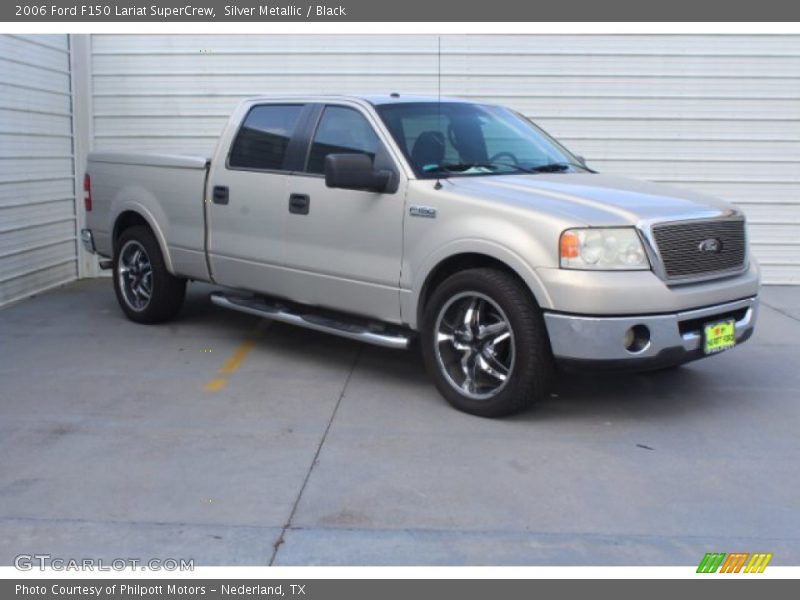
x,y
581,160
355,172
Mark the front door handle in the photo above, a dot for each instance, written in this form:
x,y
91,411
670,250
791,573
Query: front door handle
x,y
299,204
220,194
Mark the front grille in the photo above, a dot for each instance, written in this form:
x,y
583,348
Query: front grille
x,y
681,243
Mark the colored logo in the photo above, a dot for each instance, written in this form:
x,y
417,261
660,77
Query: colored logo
x,y
737,562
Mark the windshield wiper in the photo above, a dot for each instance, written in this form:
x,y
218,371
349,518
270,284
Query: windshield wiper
x,y
466,166
453,167
551,168
494,166
558,167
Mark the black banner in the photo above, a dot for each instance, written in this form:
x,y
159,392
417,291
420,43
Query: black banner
x,y
733,588
408,11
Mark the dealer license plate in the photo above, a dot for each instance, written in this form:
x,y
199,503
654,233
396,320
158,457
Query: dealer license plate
x,y
719,336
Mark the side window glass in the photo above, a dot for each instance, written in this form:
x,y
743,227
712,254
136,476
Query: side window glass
x,y
264,136
341,130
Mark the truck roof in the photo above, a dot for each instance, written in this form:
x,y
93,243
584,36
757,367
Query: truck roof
x,y
403,99
375,99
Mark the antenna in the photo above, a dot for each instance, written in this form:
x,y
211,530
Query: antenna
x,y
439,71
438,184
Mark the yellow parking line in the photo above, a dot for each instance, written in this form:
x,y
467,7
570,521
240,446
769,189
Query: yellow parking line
x,y
215,384
235,361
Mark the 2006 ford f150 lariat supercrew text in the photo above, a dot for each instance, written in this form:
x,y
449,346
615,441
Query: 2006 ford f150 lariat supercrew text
x,y
385,218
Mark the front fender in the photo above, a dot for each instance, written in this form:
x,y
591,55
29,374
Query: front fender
x,y
410,300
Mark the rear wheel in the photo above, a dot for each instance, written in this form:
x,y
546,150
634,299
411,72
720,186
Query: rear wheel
x,y
485,344
146,291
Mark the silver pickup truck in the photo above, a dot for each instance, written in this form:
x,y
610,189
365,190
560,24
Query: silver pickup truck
x,y
388,218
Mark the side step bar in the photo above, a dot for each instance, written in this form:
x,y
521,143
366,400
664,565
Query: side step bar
x,y
353,331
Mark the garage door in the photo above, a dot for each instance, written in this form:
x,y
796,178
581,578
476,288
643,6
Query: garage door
x,y
37,187
719,114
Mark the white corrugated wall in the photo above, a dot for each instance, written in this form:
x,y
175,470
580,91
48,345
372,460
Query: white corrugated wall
x,y
37,186
716,113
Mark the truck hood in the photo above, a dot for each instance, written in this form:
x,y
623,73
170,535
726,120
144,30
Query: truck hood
x,y
593,198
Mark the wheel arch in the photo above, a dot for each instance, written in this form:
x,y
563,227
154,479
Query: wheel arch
x,y
132,216
487,256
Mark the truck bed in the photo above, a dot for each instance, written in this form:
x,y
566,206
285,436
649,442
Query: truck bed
x,y
166,189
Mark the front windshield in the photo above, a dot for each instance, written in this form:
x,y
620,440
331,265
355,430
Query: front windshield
x,y
457,138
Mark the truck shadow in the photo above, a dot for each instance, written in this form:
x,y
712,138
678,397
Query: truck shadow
x,y
583,396
574,395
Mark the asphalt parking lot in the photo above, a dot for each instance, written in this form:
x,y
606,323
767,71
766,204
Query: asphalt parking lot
x,y
230,440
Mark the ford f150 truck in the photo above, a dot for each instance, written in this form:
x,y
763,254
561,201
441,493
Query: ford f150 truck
x,y
388,218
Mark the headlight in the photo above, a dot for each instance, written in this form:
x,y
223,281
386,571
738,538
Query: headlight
x,y
603,249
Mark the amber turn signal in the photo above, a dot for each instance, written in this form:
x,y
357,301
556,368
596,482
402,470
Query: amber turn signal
x,y
570,245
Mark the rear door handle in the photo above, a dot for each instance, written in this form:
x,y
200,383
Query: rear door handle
x,y
299,204
220,194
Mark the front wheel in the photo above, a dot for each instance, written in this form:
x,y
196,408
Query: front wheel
x,y
485,344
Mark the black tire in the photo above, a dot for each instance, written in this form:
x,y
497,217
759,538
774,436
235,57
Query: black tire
x,y
531,365
167,292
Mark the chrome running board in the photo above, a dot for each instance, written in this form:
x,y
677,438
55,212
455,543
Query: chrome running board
x,y
284,314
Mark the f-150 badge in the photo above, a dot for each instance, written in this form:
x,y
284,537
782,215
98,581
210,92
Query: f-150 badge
x,y
422,211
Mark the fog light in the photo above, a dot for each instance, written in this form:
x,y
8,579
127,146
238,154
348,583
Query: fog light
x,y
636,339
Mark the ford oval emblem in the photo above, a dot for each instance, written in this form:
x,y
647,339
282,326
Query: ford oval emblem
x,y
711,245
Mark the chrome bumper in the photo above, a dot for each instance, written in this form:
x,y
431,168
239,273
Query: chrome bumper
x,y
673,338
88,240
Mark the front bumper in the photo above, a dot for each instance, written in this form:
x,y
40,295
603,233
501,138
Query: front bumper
x,y
673,338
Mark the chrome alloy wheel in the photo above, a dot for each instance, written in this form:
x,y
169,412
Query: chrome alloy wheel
x,y
135,275
474,345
